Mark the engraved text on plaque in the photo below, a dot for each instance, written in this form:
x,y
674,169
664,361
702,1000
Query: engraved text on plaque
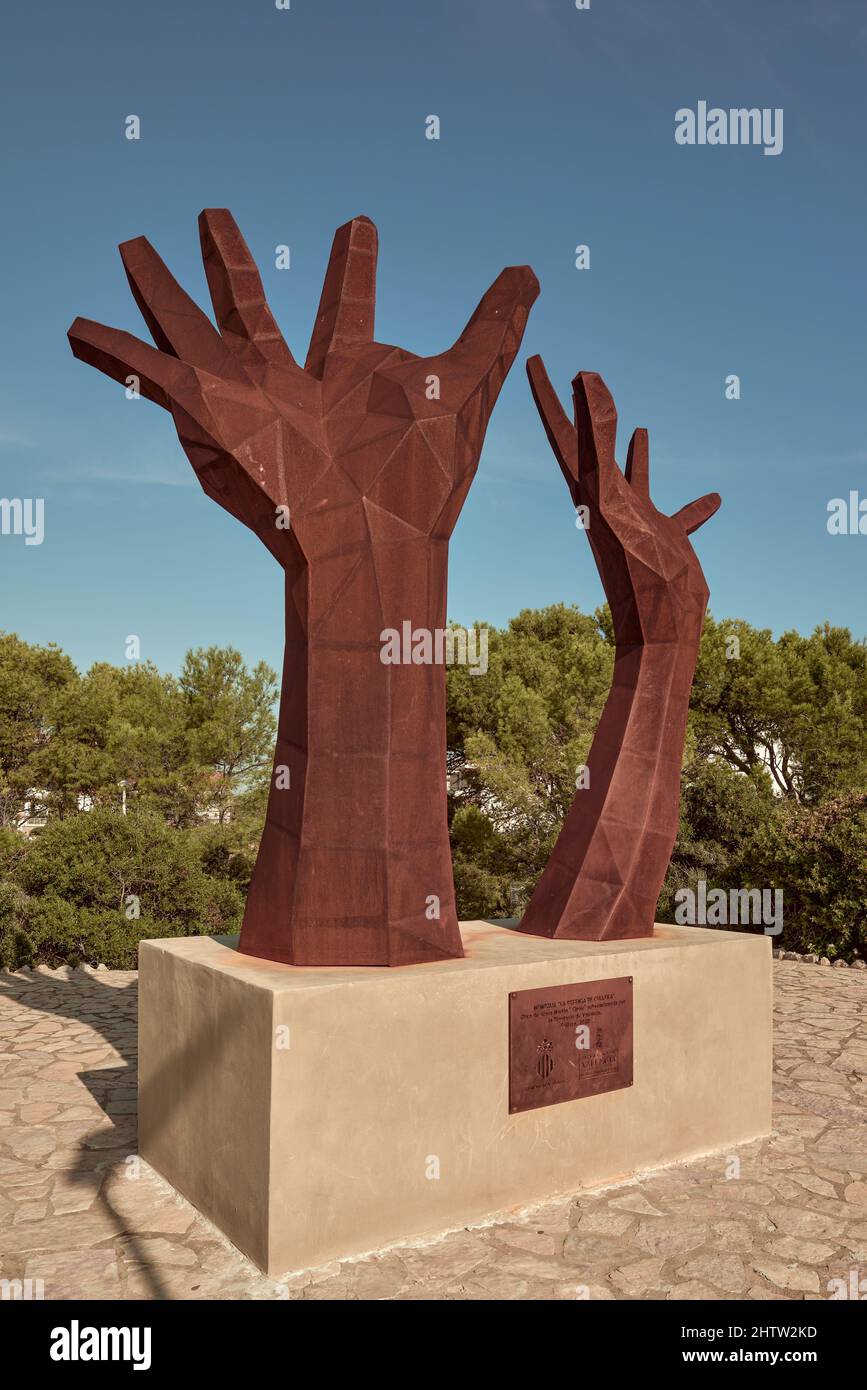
x,y
569,1041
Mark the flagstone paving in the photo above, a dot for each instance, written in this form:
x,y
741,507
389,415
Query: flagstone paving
x,y
780,1218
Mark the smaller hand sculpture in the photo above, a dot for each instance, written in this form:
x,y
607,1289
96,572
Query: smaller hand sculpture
x,y
607,867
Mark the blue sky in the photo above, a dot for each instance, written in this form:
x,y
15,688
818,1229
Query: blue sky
x,y
557,129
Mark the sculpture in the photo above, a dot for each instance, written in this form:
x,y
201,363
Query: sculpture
x,y
352,471
603,879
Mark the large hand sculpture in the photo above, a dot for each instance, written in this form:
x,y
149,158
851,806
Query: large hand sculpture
x,y
352,471
607,867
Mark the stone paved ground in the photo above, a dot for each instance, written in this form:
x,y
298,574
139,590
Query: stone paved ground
x,y
74,1214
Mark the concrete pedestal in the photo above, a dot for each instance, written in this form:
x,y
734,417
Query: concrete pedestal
x,y
318,1113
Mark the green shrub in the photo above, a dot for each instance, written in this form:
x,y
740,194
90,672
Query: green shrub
x,y
720,814
92,886
64,935
16,947
817,856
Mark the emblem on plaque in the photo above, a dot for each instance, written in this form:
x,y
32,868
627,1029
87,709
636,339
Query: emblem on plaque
x,y
545,1064
602,1059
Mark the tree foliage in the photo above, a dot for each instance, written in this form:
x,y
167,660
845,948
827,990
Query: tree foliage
x,y
154,790
91,886
182,747
32,681
774,782
792,710
774,773
517,738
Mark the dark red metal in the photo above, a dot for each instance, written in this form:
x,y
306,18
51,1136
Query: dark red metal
x,y
352,471
607,868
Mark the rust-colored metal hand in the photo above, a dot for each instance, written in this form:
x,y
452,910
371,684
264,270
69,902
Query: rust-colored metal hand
x,y
608,865
352,471
643,556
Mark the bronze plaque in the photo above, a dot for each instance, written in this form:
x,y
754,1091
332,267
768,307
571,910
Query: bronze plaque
x,y
569,1041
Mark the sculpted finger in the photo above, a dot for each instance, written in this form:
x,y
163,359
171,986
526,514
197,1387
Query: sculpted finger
x,y
595,421
177,324
346,309
237,295
696,513
558,427
486,349
154,374
637,468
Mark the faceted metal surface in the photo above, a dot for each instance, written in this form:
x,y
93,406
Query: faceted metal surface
x,y
352,470
604,875
567,1042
